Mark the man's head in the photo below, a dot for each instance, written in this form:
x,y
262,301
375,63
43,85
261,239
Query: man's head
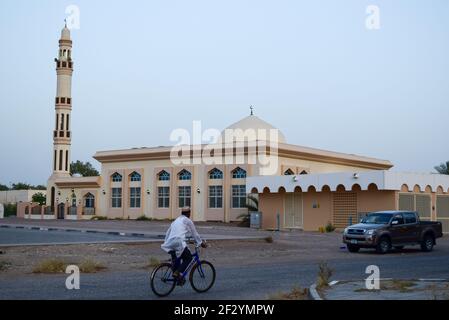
x,y
186,212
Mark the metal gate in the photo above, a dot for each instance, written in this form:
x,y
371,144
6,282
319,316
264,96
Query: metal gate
x,y
345,209
442,211
420,203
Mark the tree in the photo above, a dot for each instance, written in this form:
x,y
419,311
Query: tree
x,y
443,168
39,198
21,186
3,187
85,169
40,187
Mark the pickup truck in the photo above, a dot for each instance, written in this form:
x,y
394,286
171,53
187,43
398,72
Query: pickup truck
x,y
392,229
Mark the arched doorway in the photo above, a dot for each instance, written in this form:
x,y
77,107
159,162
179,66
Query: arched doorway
x,y
52,199
61,210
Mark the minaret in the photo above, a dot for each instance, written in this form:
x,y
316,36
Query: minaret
x,y
61,133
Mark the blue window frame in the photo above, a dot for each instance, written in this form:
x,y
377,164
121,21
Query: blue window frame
x,y
185,175
239,173
164,176
116,177
135,177
215,174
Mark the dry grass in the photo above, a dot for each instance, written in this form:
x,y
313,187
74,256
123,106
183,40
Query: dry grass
x,y
4,265
392,285
397,285
60,266
91,266
51,266
297,293
153,262
324,275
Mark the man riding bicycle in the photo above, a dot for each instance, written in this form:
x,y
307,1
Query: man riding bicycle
x,y
175,241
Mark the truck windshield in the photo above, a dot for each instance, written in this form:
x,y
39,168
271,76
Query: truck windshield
x,y
377,218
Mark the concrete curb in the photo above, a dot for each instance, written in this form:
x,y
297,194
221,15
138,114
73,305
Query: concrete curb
x,y
314,295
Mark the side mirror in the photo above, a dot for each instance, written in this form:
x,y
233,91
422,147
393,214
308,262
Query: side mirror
x,y
394,222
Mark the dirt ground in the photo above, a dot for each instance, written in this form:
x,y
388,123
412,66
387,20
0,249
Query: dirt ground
x,y
299,247
125,257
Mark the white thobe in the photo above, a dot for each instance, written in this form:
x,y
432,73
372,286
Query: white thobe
x,y
175,239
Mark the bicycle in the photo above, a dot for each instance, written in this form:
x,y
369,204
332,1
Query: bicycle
x,y
201,272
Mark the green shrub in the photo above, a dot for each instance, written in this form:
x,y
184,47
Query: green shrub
x,y
245,220
98,218
10,210
329,227
143,218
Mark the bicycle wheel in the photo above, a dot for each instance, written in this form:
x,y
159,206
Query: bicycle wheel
x,y
202,276
162,281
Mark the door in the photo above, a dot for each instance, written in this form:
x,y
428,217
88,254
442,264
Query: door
x,y
411,227
398,229
293,215
61,209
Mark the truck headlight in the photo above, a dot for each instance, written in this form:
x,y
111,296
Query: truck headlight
x,y
370,232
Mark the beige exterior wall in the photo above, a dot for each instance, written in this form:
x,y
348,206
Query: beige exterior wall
x,y
15,196
318,206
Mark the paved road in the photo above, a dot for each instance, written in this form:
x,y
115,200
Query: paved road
x,y
239,282
37,237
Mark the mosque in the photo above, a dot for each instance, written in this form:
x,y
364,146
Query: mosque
x,y
304,188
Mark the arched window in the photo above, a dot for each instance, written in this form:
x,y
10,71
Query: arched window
x,y
215,174
116,177
89,200
163,176
288,172
239,173
135,177
185,175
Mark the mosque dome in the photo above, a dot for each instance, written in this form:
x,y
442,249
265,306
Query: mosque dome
x,y
254,123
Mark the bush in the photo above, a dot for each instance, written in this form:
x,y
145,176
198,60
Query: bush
x,y
245,220
51,266
329,227
10,210
4,265
143,218
324,275
269,239
90,266
98,218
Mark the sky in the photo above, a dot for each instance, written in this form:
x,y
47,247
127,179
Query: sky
x,y
144,68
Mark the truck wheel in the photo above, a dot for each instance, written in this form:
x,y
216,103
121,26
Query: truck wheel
x,y
383,246
399,247
427,244
353,248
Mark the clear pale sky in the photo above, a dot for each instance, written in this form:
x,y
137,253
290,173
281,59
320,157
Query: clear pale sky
x,y
311,68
